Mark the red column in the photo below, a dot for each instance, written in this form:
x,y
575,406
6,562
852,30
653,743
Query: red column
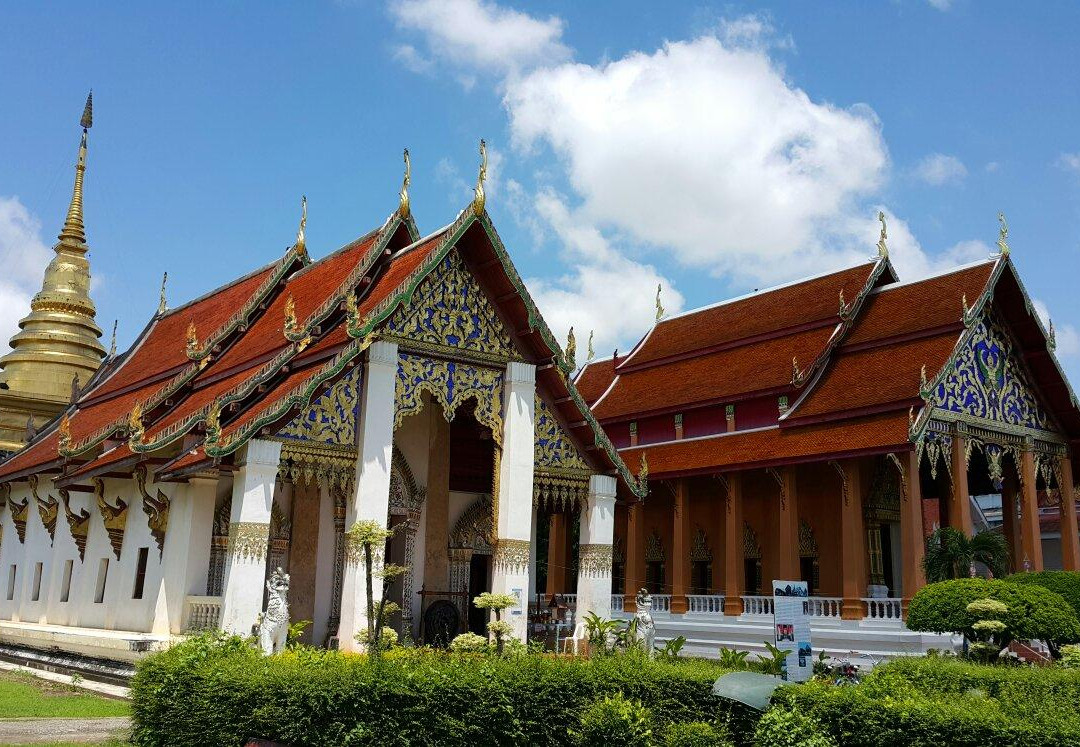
x,y
1070,539
787,528
852,542
959,500
680,551
733,546
635,554
913,544
1030,531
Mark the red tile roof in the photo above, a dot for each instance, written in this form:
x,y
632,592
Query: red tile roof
x,y
594,379
762,313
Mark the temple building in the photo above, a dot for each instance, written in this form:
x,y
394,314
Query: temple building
x,y
816,431
57,347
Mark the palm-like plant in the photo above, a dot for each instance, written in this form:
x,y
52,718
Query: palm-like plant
x,y
950,553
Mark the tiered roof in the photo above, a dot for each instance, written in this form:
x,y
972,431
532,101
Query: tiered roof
x,y
859,375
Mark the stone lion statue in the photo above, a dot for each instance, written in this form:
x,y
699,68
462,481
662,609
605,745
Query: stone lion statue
x,y
274,623
645,629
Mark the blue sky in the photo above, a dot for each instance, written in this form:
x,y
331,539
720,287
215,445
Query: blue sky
x,y
711,148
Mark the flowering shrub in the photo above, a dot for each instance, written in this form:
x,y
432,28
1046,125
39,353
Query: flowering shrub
x,y
469,643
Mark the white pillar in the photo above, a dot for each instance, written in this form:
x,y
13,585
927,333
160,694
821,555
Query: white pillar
x,y
514,502
595,547
249,536
532,558
185,560
371,499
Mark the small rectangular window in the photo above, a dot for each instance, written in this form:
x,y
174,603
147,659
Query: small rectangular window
x,y
37,583
140,573
11,582
65,587
102,574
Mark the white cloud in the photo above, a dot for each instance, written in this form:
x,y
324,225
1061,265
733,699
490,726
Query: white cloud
x,y
938,169
704,150
1069,162
605,291
754,30
412,59
942,5
23,255
992,167
1066,335
480,36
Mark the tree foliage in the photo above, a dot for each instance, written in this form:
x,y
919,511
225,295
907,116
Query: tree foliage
x,y
950,554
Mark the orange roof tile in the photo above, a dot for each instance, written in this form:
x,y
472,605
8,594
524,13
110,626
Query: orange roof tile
x,y
780,308
773,445
713,377
594,379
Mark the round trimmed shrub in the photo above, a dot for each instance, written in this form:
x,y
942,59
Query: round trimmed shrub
x,y
1065,583
780,727
615,720
1033,611
695,734
469,643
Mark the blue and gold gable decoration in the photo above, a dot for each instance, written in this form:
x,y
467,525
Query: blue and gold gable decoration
x,y
449,313
987,384
319,444
451,384
560,475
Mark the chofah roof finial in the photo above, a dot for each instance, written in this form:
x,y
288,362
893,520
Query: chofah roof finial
x,y
479,198
882,247
403,197
1003,235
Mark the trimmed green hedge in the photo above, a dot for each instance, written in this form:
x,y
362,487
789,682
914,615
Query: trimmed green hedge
x,y
1065,583
204,692
1034,612
932,702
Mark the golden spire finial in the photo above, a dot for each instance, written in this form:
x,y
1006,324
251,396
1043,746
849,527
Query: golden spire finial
x,y
478,194
1003,235
112,344
74,233
659,306
192,338
591,353
403,197
301,239
571,349
162,305
291,324
882,247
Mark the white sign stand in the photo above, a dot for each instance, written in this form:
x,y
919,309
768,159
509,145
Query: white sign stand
x,y
791,628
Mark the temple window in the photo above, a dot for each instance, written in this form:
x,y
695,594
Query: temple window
x,y
11,582
140,573
103,573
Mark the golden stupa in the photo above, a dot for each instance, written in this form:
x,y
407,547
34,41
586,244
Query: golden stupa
x,y
58,340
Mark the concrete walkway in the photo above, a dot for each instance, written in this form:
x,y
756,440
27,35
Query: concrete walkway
x,y
46,730
101,688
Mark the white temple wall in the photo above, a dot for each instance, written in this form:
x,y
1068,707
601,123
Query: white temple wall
x,y
64,549
123,611
12,552
36,549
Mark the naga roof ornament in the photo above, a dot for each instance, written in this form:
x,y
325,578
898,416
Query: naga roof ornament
x,y
571,350
479,197
162,305
192,339
1003,235
591,353
796,372
291,326
882,247
135,423
844,308
112,344
301,239
403,197
64,433
1051,337
659,306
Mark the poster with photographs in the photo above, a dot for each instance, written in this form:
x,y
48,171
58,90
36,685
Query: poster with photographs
x,y
791,628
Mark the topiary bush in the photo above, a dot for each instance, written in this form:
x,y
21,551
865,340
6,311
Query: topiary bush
x,y
223,692
1033,611
1065,583
617,721
695,734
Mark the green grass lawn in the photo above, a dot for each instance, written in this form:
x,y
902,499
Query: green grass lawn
x,y
25,696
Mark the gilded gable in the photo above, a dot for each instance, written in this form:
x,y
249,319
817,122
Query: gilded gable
x,y
449,310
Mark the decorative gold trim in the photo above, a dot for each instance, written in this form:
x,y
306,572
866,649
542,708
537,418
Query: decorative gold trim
x,y
114,517
479,198
403,196
595,560
78,523
512,554
249,541
20,512
155,508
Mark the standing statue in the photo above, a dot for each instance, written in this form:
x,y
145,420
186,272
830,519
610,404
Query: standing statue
x,y
644,628
274,623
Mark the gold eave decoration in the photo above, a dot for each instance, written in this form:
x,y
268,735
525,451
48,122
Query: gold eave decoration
x,y
291,326
64,434
301,238
136,432
78,523
192,347
479,198
403,196
114,517
156,509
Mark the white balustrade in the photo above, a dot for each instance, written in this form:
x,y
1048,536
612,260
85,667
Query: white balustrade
x,y
712,604
661,602
757,605
883,608
823,606
202,613
618,603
